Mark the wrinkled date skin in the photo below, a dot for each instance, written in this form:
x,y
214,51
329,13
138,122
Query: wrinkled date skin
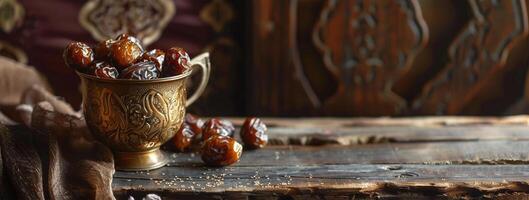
x,y
176,62
102,50
125,51
184,137
140,71
228,126
125,58
215,126
104,70
78,56
156,55
194,122
253,133
220,151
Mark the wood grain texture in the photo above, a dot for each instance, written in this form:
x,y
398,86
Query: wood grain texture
x,y
374,135
377,43
477,55
369,170
421,158
274,28
223,97
305,122
343,131
384,58
353,62
443,152
453,181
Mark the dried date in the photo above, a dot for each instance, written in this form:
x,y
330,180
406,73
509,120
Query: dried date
x,y
125,58
194,123
220,150
104,70
78,56
125,51
228,126
176,62
184,137
140,71
156,55
253,133
102,50
215,126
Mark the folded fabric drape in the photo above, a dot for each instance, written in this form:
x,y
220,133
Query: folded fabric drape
x,y
49,153
54,157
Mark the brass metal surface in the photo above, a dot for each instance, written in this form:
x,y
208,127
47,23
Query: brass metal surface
x,y
144,160
135,117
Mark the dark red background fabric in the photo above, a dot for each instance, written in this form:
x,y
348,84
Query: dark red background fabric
x,y
49,25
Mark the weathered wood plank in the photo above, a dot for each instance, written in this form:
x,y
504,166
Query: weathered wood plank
x,y
318,131
434,158
422,168
394,134
389,121
333,180
471,152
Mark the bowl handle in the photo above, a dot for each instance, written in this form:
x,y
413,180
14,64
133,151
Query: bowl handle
x,y
201,61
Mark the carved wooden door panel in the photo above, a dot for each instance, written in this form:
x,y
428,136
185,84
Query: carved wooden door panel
x,y
336,57
477,55
343,57
377,43
277,82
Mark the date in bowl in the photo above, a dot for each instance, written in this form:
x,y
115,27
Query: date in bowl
x,y
135,117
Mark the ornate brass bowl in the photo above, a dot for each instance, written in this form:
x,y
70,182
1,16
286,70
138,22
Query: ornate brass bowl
x,y
135,117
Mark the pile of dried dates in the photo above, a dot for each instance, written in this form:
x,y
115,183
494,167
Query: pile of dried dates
x,y
125,58
215,138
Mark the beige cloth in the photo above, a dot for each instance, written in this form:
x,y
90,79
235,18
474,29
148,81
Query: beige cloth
x,y
50,154
15,78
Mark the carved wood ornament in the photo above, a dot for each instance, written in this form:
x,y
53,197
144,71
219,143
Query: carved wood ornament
x,y
217,14
11,14
379,42
144,19
479,52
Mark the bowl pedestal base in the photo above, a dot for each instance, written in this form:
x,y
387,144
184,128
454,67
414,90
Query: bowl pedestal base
x,y
140,161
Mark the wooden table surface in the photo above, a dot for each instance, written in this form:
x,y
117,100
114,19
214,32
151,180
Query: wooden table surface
x,y
324,158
